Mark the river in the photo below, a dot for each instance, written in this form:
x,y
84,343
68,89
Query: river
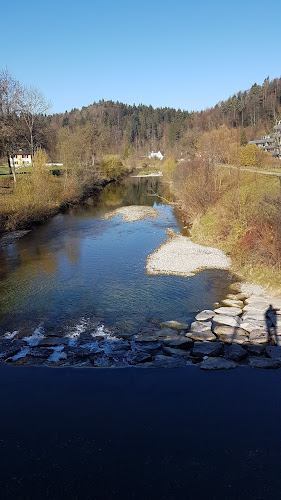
x,y
78,270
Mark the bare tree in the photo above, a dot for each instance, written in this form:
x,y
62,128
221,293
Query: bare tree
x,y
31,103
9,120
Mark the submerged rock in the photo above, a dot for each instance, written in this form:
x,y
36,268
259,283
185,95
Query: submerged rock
x,y
175,325
217,364
267,363
161,361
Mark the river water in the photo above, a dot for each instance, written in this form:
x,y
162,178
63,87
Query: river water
x,y
78,270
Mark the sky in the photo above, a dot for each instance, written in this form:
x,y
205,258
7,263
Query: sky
x,y
176,53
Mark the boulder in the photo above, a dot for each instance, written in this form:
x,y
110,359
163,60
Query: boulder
x,y
234,352
176,325
229,311
236,286
200,326
207,336
267,363
237,296
151,347
251,325
233,303
258,337
202,349
217,364
53,342
169,351
227,320
273,352
180,343
10,351
145,338
234,339
255,349
229,330
134,358
161,361
205,315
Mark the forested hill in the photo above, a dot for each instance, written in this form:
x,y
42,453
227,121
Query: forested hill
x,y
114,127
117,127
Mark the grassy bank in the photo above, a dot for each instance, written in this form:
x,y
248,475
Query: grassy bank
x,y
238,212
40,194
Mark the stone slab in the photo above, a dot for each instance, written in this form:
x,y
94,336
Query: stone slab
x,y
217,364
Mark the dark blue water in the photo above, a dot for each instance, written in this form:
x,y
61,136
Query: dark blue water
x,y
79,268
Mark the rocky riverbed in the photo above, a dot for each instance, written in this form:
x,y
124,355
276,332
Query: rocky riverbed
x,y
230,335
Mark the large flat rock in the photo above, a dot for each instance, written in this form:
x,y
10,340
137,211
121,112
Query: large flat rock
x,y
266,363
200,326
206,335
180,343
229,330
229,311
234,352
233,303
202,349
227,320
217,364
205,315
234,339
176,325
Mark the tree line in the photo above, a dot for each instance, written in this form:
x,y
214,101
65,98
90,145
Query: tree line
x,y
108,127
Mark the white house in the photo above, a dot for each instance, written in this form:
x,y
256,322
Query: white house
x,y
158,155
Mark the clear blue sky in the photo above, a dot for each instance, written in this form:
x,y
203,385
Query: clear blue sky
x,y
176,53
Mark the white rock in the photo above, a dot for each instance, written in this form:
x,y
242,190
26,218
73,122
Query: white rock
x,y
227,320
229,311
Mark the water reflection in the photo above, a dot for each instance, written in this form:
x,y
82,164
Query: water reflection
x,y
80,265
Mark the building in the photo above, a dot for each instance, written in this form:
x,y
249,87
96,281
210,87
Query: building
x,y
158,155
21,159
271,142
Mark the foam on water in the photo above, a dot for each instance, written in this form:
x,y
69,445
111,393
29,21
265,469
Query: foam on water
x,y
74,334
36,337
57,354
10,335
21,354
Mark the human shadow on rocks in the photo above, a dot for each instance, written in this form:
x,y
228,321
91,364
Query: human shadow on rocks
x,y
271,325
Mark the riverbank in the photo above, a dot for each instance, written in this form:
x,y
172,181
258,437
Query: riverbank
x,y
237,212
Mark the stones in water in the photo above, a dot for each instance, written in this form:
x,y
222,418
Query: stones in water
x,y
200,326
233,303
202,349
217,364
229,311
205,315
235,339
255,349
228,330
222,319
234,352
134,358
177,325
266,363
206,335
180,343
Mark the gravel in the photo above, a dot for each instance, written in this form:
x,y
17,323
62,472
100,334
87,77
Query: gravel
x,y
133,213
180,257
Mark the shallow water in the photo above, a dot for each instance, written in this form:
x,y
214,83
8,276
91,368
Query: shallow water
x,y
78,270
